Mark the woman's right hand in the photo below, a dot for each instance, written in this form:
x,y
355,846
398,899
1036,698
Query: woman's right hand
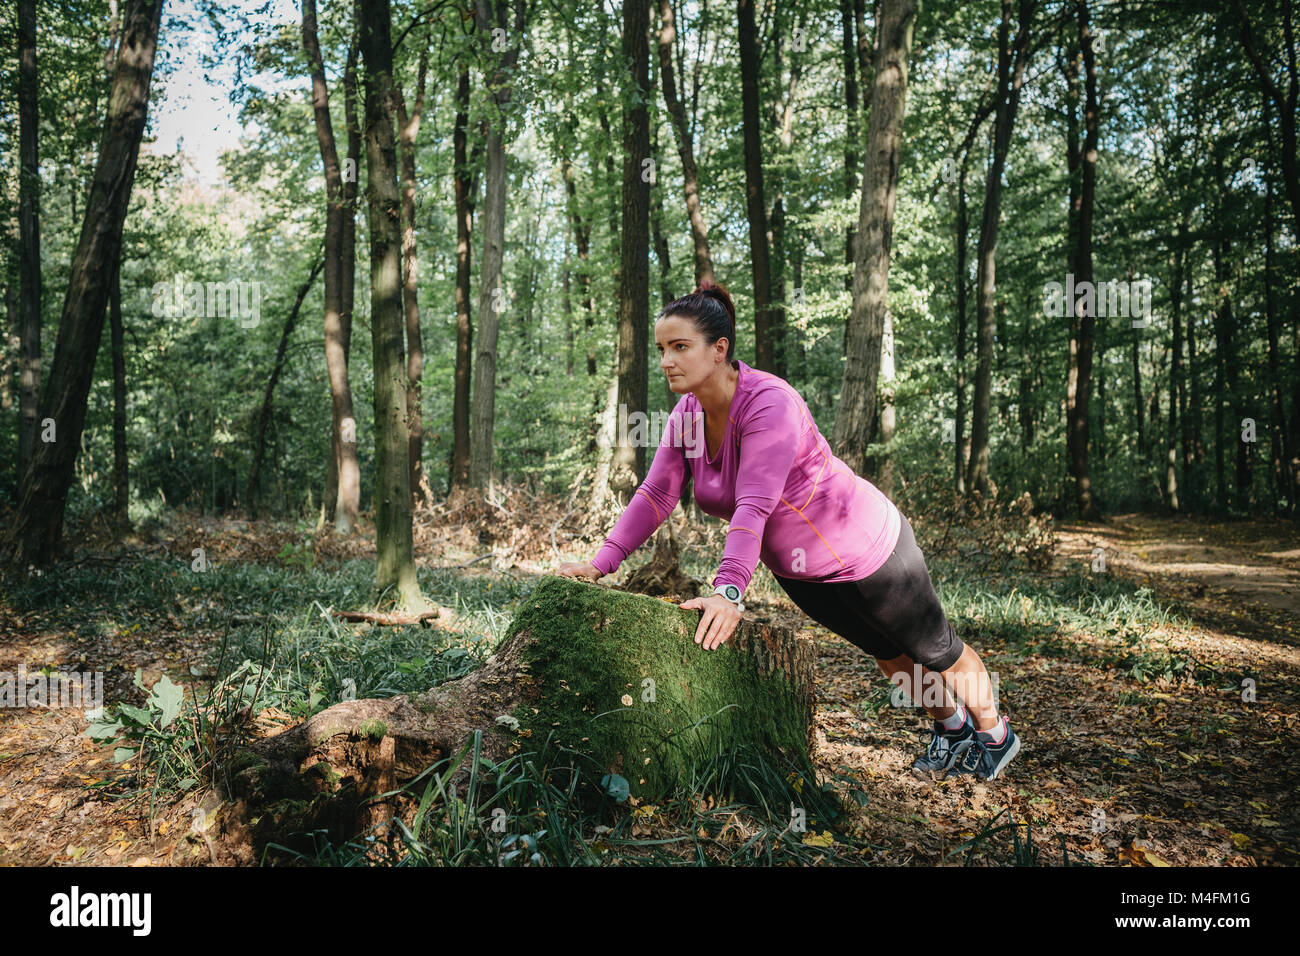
x,y
580,569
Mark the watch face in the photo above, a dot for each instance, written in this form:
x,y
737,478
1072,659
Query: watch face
x,y
732,593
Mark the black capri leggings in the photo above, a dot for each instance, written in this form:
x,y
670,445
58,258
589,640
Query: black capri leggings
x,y
890,612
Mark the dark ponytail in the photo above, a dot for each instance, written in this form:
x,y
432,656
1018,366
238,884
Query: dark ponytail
x,y
712,311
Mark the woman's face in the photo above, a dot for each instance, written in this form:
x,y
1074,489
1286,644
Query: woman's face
x,y
683,355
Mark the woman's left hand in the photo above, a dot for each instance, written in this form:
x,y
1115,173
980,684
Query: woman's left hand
x,y
719,620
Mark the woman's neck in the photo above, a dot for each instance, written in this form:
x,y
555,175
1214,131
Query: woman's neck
x,y
715,395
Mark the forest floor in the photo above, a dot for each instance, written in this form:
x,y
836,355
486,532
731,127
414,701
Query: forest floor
x,y
1142,744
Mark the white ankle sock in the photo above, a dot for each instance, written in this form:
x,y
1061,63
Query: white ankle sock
x,y
997,734
956,720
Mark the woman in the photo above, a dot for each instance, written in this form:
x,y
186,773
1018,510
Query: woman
x,y
838,547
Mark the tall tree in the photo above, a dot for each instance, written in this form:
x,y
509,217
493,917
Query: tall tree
x,y
491,293
393,532
769,350
634,284
685,144
856,416
344,423
43,488
29,237
121,465
1013,58
463,190
1079,379
851,116
409,126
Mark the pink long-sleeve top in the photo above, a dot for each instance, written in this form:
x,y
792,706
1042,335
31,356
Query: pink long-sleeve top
x,y
789,500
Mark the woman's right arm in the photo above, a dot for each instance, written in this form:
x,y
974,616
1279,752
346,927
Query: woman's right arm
x,y
653,501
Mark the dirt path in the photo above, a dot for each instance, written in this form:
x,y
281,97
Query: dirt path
x,y
1224,570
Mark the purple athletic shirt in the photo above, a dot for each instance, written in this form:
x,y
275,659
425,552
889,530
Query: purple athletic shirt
x,y
789,500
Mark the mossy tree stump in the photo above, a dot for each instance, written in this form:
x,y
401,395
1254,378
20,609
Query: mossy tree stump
x,y
615,676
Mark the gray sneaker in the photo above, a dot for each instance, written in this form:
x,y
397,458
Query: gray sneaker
x,y
946,747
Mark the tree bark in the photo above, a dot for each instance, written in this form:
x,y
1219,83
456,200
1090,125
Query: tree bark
x,y
685,146
409,126
121,467
961,448
1177,385
1013,57
634,252
347,470
43,487
856,416
767,347
393,531
460,455
491,293
851,116
1288,469
29,238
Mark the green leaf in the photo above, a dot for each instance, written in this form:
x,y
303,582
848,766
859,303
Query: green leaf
x,y
616,786
137,714
102,729
167,697
123,754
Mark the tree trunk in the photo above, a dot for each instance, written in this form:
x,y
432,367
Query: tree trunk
x,y
344,423
393,532
1079,382
409,126
348,494
885,475
491,294
856,417
121,467
767,348
611,675
1177,386
634,252
1012,60
851,116
1195,486
961,445
1137,398
264,416
460,455
43,487
685,147
29,238
1288,467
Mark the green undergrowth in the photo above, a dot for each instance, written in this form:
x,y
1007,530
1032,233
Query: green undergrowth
x,y
1102,620
551,807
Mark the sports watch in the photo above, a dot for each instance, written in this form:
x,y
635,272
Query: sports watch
x,y
731,593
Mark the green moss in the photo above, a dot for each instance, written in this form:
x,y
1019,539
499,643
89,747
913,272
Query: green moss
x,y
325,772
375,729
596,649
